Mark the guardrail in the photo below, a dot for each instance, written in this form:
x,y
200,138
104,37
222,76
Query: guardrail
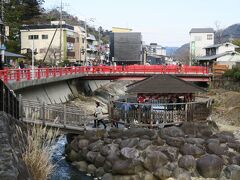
x,y
60,115
147,114
41,73
8,101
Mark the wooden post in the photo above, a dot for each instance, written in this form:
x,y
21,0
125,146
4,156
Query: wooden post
x,y
64,115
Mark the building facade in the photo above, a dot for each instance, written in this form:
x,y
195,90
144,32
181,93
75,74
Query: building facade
x,y
220,54
126,48
52,45
199,39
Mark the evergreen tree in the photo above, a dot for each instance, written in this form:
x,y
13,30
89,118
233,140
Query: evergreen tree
x,y
18,13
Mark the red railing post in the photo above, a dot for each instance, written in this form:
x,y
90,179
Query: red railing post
x,y
39,73
18,75
54,72
28,74
47,72
5,75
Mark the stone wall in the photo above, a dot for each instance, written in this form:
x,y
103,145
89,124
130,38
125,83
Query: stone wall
x,y
226,83
193,150
12,166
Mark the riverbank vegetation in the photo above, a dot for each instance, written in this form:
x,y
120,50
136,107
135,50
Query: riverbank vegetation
x,y
233,73
38,151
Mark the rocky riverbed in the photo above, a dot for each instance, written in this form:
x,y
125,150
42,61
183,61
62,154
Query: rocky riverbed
x,y
191,151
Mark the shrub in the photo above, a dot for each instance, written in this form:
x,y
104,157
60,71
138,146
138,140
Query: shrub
x,y
38,152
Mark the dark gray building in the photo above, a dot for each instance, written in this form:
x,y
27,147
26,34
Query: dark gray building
x,y
126,48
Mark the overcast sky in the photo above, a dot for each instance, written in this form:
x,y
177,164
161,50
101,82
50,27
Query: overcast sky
x,y
166,22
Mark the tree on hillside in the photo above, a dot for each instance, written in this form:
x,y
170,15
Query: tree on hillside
x,y
18,13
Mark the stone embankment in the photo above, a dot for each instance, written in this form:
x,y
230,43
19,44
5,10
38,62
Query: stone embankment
x,y
193,150
12,140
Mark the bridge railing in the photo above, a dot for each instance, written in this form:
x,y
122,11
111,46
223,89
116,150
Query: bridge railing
x,y
8,75
8,101
59,115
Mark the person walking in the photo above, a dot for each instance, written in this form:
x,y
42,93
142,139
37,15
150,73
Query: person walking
x,y
99,116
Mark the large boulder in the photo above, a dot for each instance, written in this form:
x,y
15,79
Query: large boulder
x,y
162,173
91,136
100,172
215,148
130,153
73,156
143,144
108,149
146,175
74,144
170,152
81,166
187,162
96,146
115,133
91,156
107,166
171,131
126,167
131,142
159,141
210,166
195,129
99,160
107,176
232,172
195,141
234,145
91,169
82,143
224,136
190,149
152,160
236,160
175,141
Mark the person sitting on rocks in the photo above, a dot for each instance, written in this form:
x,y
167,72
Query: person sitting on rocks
x,y
99,116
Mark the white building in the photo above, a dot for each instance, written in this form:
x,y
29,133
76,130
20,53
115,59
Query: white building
x,y
199,39
156,50
220,54
40,37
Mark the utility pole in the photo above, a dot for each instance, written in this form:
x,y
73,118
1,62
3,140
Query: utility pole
x,y
61,31
86,42
2,32
99,44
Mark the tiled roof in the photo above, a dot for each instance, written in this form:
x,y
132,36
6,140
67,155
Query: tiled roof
x,y
163,83
202,30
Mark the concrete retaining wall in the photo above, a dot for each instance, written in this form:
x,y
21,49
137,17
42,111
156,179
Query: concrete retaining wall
x,y
60,92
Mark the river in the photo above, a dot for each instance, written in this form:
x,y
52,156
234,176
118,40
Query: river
x,y
63,169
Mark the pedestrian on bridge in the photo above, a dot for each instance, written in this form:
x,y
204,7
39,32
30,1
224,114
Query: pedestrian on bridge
x,y
99,116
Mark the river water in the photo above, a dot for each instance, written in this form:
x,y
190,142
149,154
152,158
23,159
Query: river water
x,y
63,169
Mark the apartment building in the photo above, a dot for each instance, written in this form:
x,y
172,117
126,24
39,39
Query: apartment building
x,y
52,45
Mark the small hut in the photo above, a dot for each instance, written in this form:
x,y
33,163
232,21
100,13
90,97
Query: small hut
x,y
156,100
164,88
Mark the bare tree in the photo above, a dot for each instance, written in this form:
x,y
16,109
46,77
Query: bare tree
x,y
219,32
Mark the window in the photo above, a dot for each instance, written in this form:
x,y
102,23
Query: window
x,y
209,36
83,40
33,37
44,36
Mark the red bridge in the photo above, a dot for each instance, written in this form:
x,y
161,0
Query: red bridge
x,y
131,72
